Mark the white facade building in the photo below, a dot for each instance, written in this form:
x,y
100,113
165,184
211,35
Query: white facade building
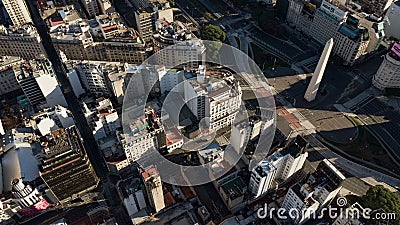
x,y
299,198
327,20
107,121
276,169
300,15
240,135
261,179
320,189
152,182
182,53
144,137
351,41
75,83
93,78
169,79
388,74
392,28
213,102
18,11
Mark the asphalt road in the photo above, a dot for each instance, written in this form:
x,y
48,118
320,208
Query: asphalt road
x,y
73,104
89,142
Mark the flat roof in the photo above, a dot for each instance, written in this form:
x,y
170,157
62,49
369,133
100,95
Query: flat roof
x,y
234,188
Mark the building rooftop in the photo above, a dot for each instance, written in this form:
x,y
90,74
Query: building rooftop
x,y
61,147
211,153
171,32
173,136
234,188
264,168
53,118
113,28
353,30
148,172
6,62
20,31
78,31
34,68
149,6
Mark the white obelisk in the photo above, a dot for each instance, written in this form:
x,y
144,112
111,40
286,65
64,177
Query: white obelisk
x,y
312,89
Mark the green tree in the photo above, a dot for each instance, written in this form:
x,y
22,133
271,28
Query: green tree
x,y
378,197
213,33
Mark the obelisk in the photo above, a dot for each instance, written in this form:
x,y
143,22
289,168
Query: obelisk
x,y
312,89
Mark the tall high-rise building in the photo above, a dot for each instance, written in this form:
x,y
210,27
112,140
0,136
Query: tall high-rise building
x,y
392,18
327,21
351,41
154,190
312,89
145,13
38,81
388,74
261,178
300,15
65,168
91,7
278,167
18,12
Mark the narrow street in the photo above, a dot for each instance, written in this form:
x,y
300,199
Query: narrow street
x,y
89,142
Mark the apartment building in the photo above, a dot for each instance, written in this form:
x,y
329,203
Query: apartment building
x,y
278,167
105,38
39,83
351,41
317,192
66,169
301,14
23,41
8,81
388,74
215,101
153,185
18,12
327,20
392,28
92,7
145,13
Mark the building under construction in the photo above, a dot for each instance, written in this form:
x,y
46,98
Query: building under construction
x,y
66,169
